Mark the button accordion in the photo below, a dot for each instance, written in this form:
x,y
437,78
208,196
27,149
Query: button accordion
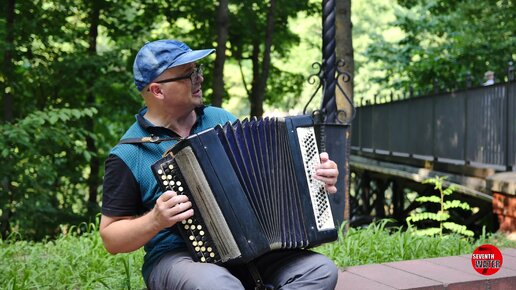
x,y
251,188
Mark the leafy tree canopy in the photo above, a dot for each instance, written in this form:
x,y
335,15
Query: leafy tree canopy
x,y
445,41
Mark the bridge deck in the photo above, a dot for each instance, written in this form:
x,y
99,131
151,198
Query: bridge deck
x,y
455,272
467,185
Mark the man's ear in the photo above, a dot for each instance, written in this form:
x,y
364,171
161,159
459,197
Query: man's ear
x,y
155,90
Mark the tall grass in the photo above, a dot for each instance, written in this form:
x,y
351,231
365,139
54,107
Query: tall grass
x,y
378,244
78,260
72,261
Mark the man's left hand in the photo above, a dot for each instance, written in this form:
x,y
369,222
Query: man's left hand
x,y
327,172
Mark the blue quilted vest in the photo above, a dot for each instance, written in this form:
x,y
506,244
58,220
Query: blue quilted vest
x,y
140,157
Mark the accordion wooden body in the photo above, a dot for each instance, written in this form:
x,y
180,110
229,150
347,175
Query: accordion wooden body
x,y
252,190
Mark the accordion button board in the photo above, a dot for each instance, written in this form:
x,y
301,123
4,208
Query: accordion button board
x,y
198,241
318,195
252,189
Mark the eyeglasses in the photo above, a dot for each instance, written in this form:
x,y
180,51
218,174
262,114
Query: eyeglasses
x,y
197,72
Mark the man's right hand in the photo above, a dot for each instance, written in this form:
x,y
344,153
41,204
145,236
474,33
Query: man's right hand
x,y
125,234
171,208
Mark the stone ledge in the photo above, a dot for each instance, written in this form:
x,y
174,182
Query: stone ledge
x,y
504,182
454,272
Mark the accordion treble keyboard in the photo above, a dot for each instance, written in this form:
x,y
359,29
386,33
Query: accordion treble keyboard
x,y
320,201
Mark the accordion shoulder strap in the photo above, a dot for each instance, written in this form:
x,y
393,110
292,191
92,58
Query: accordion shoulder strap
x,y
257,278
149,139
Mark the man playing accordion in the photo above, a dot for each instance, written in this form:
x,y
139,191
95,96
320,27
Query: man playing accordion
x,y
136,213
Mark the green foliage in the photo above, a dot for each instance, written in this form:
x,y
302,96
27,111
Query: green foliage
x,y
379,243
445,40
442,216
75,260
428,216
373,21
247,33
36,151
65,55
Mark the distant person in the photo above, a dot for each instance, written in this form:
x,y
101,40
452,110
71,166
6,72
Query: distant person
x,y
489,76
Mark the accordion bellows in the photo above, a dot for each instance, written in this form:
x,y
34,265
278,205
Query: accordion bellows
x,y
251,187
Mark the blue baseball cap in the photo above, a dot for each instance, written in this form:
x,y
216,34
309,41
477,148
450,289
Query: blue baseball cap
x,y
157,56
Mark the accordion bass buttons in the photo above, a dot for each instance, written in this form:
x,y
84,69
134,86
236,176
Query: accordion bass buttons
x,y
192,229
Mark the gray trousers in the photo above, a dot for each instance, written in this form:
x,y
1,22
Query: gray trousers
x,y
289,269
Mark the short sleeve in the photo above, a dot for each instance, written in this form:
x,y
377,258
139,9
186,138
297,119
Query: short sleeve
x,y
121,192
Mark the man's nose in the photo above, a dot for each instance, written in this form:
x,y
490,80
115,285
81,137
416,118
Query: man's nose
x,y
198,79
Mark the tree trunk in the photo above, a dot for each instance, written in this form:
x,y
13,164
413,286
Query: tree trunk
x,y
8,61
260,83
220,53
344,51
254,98
8,103
93,180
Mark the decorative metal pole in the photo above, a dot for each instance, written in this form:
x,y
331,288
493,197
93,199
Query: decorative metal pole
x,y
333,124
329,62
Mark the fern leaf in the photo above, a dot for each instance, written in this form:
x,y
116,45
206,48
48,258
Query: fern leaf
x,y
417,217
428,216
432,198
456,204
428,232
430,180
456,228
441,216
449,190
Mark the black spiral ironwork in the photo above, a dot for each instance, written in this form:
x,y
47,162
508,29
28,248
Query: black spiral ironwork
x,y
342,116
328,74
329,104
312,79
333,124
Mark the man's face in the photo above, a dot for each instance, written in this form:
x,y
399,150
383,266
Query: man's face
x,y
185,89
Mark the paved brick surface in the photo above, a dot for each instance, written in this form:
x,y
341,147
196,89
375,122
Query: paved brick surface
x,y
348,280
508,252
453,273
454,279
393,277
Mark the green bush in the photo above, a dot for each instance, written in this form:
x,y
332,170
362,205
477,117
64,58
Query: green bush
x,y
78,260
377,243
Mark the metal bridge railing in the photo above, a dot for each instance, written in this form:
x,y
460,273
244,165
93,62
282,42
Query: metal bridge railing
x,y
475,127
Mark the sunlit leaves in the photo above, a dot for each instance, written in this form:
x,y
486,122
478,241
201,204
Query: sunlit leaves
x,y
445,41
